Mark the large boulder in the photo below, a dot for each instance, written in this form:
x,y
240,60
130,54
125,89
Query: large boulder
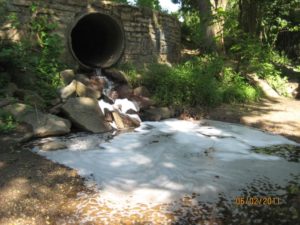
x,y
43,124
86,114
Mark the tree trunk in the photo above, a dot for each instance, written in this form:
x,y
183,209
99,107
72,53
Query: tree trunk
x,y
212,30
250,17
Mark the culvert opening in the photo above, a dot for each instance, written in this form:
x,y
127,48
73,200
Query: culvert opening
x,y
96,40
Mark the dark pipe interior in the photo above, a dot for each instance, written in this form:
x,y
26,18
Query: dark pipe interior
x,y
97,40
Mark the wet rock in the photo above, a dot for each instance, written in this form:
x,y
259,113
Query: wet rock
x,y
67,76
86,114
141,91
156,114
124,91
52,146
43,124
116,75
142,102
124,121
97,83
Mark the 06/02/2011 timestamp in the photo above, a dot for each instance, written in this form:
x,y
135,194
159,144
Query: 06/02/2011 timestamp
x,y
257,201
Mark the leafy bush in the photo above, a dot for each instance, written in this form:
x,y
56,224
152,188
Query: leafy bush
x,y
37,53
7,122
259,58
201,81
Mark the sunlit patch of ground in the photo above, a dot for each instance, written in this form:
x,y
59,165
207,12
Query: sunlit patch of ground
x,y
280,116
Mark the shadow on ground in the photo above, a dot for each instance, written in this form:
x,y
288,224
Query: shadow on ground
x,y
34,190
280,116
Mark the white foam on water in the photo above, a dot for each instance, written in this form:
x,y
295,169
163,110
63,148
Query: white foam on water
x,y
163,161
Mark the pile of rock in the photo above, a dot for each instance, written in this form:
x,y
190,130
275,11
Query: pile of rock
x,y
82,93
79,105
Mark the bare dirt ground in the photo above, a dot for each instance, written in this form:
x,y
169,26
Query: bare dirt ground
x,y
279,116
34,190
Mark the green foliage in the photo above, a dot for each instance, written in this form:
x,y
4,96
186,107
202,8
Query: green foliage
x,y
152,4
7,122
260,59
201,81
191,30
37,53
120,1
132,74
236,89
48,64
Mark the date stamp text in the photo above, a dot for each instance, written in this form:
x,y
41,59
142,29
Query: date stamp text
x,y
257,201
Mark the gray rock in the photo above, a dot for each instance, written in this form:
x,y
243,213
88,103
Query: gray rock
x,y
124,91
52,146
68,91
156,114
141,91
43,124
116,75
86,114
142,102
83,79
67,76
79,89
84,91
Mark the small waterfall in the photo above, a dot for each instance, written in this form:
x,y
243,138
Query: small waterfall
x,y
109,85
98,72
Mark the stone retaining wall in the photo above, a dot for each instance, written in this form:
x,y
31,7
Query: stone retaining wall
x,y
149,36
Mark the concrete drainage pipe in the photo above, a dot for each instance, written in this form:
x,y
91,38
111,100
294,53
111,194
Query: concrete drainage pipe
x,y
96,40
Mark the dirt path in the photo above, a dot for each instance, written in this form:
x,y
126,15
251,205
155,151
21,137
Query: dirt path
x,y
279,116
34,190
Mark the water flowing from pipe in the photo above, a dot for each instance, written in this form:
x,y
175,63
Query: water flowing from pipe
x,y
108,84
